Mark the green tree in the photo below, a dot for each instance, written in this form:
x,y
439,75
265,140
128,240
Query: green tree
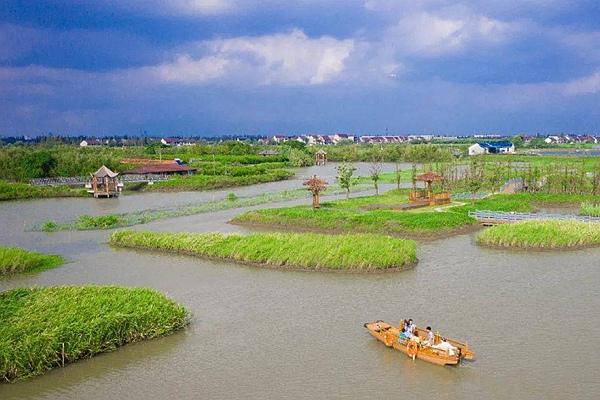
x,y
398,175
345,172
375,174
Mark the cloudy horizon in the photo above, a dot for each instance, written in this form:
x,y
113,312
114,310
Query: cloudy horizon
x,y
212,67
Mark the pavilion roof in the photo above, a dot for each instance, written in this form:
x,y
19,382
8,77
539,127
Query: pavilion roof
x,y
103,171
429,177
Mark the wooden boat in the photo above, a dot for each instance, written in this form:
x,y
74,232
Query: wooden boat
x,y
388,334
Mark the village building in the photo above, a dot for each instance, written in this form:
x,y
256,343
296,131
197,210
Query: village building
x,y
502,147
175,167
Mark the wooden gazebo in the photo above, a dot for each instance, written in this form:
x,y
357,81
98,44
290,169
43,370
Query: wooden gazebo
x,y
104,183
426,195
321,157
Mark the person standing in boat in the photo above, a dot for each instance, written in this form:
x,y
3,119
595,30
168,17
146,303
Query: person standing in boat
x,y
430,337
410,328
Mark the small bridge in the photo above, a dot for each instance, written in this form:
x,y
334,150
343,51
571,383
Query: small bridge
x,y
489,218
83,180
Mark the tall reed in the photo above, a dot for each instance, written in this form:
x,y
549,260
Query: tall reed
x,y
45,328
357,252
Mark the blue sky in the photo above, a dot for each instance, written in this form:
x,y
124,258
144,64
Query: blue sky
x,y
207,67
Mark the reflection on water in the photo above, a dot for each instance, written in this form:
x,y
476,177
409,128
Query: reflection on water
x,y
261,333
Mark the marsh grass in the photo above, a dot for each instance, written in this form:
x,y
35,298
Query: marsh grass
x,y
15,260
18,191
310,251
590,209
542,235
207,182
36,323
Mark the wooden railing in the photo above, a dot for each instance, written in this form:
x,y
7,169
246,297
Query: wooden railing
x,y
512,217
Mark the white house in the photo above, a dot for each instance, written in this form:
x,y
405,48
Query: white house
x,y
492,148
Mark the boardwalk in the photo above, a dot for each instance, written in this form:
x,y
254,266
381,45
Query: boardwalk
x,y
500,217
83,180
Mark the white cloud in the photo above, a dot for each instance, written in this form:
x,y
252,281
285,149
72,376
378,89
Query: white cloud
x,y
427,34
286,58
586,85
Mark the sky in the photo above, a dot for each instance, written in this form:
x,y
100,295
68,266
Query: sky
x,y
227,67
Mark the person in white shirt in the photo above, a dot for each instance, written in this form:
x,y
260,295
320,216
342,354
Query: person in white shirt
x,y
411,326
445,346
430,337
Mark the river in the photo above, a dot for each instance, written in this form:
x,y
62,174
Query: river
x,y
531,317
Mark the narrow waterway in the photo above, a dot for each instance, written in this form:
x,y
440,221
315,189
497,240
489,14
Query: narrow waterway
x,y
531,317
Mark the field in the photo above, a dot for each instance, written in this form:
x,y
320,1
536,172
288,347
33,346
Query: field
x,y
309,251
15,260
45,328
542,235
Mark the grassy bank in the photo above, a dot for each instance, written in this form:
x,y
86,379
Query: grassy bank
x,y
353,253
356,215
111,221
15,260
376,214
36,323
19,191
542,235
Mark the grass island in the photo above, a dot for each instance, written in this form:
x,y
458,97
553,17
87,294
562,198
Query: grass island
x,y
305,251
45,328
562,234
16,260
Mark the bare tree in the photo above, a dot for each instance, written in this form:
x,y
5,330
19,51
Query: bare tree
x,y
375,174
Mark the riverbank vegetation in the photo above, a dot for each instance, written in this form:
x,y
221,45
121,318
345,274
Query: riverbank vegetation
x,y
310,251
45,328
542,235
15,260
590,209
18,191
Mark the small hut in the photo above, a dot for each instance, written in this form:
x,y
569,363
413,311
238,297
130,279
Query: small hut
x,y
321,157
426,195
104,183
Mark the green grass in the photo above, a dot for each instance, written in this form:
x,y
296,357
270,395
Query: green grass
x,y
15,260
369,214
18,191
36,323
542,235
591,209
357,252
352,216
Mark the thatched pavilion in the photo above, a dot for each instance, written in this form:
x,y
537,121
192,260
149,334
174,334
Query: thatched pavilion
x,y
426,195
105,183
321,157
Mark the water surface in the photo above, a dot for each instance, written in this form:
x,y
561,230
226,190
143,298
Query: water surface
x,y
531,317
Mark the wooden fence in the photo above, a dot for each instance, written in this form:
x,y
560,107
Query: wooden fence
x,y
500,217
83,180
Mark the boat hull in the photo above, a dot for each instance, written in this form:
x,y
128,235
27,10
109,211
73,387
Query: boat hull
x,y
388,334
